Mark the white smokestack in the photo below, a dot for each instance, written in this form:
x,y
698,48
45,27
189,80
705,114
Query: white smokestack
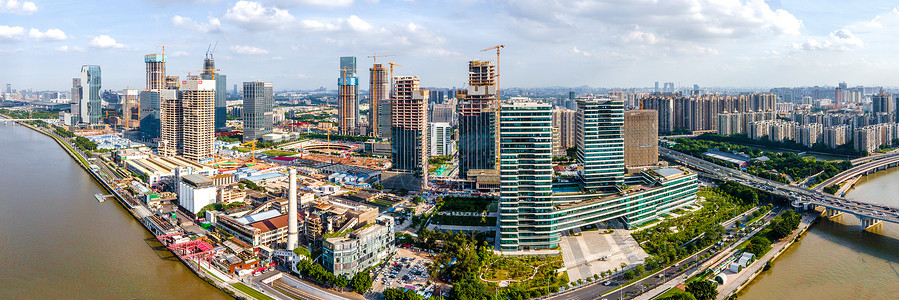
x,y
292,233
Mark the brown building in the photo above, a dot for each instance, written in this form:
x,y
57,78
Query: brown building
x,y
641,138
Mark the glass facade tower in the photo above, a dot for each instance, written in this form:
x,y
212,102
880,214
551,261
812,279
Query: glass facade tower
x,y
600,146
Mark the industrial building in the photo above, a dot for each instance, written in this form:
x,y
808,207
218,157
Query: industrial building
x,y
327,216
195,191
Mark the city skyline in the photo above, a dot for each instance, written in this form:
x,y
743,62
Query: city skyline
x,y
600,44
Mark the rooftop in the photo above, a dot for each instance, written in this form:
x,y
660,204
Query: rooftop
x,y
273,223
668,173
196,179
268,214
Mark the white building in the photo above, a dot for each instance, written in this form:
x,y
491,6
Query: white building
x,y
196,191
441,141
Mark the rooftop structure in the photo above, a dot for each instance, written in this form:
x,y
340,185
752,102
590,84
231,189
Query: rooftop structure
x,y
477,114
360,249
347,96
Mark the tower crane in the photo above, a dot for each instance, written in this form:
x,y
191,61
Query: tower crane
x,y
392,64
496,129
375,56
252,151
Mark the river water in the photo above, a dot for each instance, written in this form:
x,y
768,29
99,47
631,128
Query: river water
x,y
837,259
57,241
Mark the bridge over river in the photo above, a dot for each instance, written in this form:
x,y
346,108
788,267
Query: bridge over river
x,y
870,214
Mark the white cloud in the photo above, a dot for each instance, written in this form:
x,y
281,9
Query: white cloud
x,y
213,25
247,50
14,7
11,33
577,51
317,3
696,20
255,16
65,48
104,42
52,34
839,40
867,26
358,24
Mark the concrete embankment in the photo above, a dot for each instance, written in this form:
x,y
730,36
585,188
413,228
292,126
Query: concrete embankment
x,y
755,269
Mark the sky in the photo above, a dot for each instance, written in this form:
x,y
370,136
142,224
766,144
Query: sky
x,y
296,44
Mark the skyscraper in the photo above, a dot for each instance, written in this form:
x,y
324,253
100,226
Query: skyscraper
x,y
257,110
600,146
565,119
477,113
90,106
150,105
197,98
347,96
130,108
78,106
378,92
221,105
526,200
155,71
171,125
409,121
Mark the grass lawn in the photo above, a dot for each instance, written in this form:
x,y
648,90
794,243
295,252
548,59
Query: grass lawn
x,y
671,293
464,220
250,292
278,153
465,204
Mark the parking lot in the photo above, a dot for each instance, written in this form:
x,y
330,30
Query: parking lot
x,y
404,270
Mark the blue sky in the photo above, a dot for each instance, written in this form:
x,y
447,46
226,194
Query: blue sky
x,y
607,43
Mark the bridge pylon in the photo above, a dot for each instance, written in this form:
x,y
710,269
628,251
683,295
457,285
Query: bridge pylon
x,y
871,224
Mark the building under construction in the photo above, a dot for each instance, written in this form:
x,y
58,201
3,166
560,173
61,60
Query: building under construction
x,y
409,124
477,113
348,97
187,121
378,94
155,71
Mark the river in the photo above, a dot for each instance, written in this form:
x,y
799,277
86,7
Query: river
x,y
837,259
57,241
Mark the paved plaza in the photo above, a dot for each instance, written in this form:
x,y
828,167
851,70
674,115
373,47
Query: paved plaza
x,y
593,252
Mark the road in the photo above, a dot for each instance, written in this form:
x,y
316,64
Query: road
x,y
801,195
676,271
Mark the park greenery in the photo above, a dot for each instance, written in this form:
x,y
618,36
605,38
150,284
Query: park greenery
x,y
439,160
229,139
252,185
400,294
695,230
463,204
676,294
464,220
336,137
788,163
703,289
278,153
462,258
832,189
22,114
84,144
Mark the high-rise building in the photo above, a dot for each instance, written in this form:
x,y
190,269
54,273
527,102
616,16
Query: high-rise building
x,y
257,110
221,105
347,96
641,138
526,199
155,71
409,120
882,102
171,124
197,99
89,99
600,146
836,136
565,120
378,92
150,112
130,108
9,88
443,112
78,106
441,140
172,82
810,134
477,112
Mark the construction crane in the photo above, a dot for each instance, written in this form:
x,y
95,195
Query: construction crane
x,y
252,151
207,68
163,47
375,57
391,76
496,130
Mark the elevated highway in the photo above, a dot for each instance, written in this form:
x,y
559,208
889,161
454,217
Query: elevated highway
x,y
882,162
870,214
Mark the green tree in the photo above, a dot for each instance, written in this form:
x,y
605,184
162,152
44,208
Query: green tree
x,y
679,295
703,289
417,200
628,275
639,270
361,282
470,288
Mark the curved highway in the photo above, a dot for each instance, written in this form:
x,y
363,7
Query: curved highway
x,y
801,196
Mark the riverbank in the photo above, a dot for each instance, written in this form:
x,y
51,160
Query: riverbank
x,y
132,207
745,277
